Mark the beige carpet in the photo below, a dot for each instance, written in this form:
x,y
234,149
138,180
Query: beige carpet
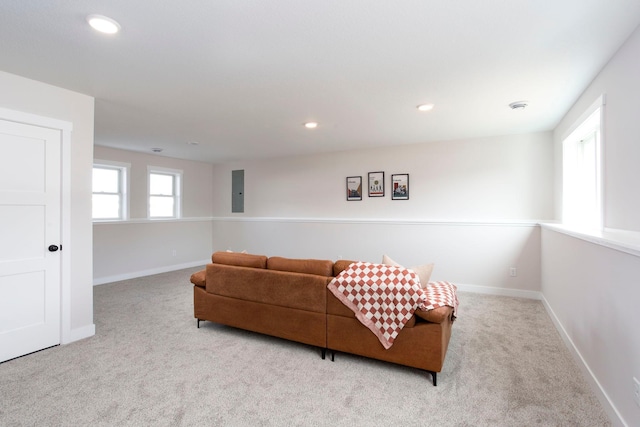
x,y
149,365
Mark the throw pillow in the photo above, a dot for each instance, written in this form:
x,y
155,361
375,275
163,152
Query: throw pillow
x,y
388,261
423,271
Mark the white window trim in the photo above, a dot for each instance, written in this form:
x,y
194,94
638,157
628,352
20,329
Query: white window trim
x,y
125,184
177,197
575,132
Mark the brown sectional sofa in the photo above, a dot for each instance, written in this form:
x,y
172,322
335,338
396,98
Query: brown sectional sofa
x,y
288,298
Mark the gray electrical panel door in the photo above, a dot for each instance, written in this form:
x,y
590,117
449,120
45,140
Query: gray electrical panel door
x,y
237,191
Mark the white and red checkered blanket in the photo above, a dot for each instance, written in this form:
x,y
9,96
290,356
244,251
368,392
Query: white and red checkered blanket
x,y
385,297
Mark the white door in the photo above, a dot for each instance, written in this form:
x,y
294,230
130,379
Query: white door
x,y
30,180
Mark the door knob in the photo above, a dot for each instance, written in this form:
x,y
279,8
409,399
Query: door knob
x,y
53,248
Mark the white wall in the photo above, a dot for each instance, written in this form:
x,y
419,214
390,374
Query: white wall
x,y
593,290
496,179
620,83
490,192
141,247
34,97
593,293
475,256
472,209
197,181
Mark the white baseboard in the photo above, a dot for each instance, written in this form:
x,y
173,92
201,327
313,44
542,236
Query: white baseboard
x,y
142,273
505,292
78,334
602,396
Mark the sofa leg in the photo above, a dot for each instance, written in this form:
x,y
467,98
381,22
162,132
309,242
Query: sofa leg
x,y
333,355
434,376
324,352
198,323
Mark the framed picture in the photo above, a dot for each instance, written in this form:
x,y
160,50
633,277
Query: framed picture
x,y
354,188
400,186
376,184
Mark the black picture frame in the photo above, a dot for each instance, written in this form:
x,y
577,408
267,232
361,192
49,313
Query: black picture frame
x,y
400,186
376,184
354,188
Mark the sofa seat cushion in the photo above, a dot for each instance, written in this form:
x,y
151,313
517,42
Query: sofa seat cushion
x,y
437,315
239,259
282,288
337,308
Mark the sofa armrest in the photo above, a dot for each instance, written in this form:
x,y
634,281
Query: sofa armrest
x,y
199,278
437,315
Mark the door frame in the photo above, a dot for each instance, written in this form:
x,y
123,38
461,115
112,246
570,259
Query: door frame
x,y
65,128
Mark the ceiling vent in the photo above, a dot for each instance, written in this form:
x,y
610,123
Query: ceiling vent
x,y
518,105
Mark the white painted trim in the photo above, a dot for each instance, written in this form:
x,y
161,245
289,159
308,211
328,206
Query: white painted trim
x,y
524,223
66,335
34,119
150,272
619,240
505,292
111,163
599,102
151,221
602,396
65,128
80,333
506,223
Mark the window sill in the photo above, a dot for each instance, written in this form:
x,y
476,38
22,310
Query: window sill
x,y
150,221
620,240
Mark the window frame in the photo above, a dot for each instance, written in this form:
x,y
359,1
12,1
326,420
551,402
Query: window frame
x,y
124,170
590,124
177,191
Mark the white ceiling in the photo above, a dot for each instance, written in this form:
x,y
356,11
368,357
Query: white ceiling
x,y
241,76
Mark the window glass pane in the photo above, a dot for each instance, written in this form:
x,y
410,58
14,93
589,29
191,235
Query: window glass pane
x,y
581,172
161,206
161,184
106,180
106,206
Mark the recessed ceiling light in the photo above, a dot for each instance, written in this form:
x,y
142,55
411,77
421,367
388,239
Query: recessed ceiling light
x,y
311,125
425,107
103,24
518,105
193,143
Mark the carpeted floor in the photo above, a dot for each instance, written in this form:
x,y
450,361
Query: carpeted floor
x,y
148,365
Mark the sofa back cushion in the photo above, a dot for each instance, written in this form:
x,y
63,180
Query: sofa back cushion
x,y
239,259
341,265
308,266
272,287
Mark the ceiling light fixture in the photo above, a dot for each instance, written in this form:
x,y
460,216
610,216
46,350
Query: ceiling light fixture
x,y
311,125
157,150
193,143
425,107
518,105
103,24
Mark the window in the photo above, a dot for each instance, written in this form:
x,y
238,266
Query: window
x,y
109,183
581,172
164,193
